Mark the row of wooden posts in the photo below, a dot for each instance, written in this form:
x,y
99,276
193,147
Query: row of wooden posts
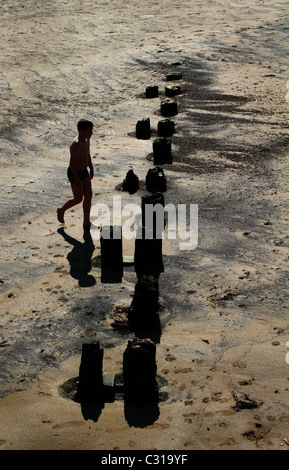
x,y
139,382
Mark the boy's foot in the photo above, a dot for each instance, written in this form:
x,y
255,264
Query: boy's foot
x,y
60,216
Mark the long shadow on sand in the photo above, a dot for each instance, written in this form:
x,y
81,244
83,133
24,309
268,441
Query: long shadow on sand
x,y
139,415
80,258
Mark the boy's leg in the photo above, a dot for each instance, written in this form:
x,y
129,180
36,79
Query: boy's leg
x,y
87,197
77,191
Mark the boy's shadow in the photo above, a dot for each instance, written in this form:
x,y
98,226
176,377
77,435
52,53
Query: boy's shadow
x,y
80,258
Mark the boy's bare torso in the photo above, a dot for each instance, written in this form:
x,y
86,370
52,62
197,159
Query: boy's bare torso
x,y
79,153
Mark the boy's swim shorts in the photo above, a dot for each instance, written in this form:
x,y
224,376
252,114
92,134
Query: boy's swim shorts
x,y
81,173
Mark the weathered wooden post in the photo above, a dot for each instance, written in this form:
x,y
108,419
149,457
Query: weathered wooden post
x,y
143,129
172,90
174,76
139,372
152,91
169,107
156,180
175,62
131,182
148,256
162,152
166,128
90,386
149,213
148,242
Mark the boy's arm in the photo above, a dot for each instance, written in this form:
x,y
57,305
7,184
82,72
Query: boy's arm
x,y
90,163
73,162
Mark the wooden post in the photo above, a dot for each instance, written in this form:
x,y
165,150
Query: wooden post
x,y
152,91
156,180
166,128
169,107
143,130
162,151
148,256
172,90
174,76
130,183
151,200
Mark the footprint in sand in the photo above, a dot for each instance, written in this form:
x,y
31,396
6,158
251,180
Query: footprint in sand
x,y
184,370
223,425
170,358
239,365
68,424
229,442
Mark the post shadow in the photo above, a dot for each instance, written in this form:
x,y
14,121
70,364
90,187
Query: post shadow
x,y
146,327
92,411
141,390
80,258
137,386
141,416
92,391
143,317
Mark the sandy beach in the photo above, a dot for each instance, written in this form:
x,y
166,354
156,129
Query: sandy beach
x,y
223,315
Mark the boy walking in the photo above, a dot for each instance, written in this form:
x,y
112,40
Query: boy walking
x,y
77,172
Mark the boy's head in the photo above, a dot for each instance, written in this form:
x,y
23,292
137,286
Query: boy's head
x,y
85,128
84,124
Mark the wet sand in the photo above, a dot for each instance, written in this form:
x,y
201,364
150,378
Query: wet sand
x,y
221,346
